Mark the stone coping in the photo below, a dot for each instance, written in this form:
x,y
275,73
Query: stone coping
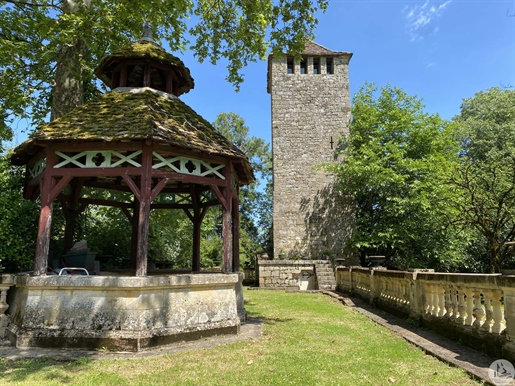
x,y
484,279
7,278
279,262
134,282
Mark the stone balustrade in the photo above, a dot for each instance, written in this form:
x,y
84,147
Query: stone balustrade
x,y
6,282
478,309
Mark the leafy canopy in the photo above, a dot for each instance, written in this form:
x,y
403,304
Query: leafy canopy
x,y
485,178
393,164
33,35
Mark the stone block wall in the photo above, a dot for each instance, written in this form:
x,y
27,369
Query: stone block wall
x,y
310,113
283,273
123,313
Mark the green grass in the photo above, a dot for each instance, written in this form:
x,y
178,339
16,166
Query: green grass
x,y
308,339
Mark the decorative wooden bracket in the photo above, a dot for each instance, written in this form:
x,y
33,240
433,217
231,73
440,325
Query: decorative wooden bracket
x,y
219,196
157,189
132,185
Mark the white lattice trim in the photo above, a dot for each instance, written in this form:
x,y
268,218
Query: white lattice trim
x,y
38,168
174,198
183,165
107,159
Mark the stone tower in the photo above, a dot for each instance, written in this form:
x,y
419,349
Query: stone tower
x,y
310,114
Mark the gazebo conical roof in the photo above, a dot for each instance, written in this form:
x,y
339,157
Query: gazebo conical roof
x,y
137,114
147,51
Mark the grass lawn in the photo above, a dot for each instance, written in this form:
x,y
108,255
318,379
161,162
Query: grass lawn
x,y
308,339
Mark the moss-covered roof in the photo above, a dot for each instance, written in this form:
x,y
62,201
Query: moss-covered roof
x,y
136,114
147,50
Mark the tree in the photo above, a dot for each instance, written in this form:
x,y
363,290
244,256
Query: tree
x,y
485,177
256,198
18,220
394,162
49,48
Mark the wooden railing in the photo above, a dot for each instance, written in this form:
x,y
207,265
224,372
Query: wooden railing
x,y
475,308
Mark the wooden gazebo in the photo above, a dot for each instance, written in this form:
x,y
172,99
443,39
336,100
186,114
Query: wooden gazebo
x,y
138,138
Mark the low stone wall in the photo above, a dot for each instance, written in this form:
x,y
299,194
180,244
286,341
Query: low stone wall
x,y
122,313
286,273
477,309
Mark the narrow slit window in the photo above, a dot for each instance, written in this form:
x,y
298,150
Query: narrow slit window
x,y
303,66
290,64
316,66
329,64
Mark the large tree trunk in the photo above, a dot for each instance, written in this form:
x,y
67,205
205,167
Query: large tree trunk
x,y
68,92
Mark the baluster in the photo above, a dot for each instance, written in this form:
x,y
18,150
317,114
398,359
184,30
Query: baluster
x,y
478,308
441,300
448,302
496,312
435,301
487,325
462,308
469,306
4,319
428,306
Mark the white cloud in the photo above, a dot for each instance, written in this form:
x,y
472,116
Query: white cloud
x,y
431,64
420,17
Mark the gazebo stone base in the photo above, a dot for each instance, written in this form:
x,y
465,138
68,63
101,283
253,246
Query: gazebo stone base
x,y
122,313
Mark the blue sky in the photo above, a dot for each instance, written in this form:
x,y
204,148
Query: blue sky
x,y
441,50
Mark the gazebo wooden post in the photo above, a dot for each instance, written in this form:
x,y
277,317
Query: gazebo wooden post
x,y
235,233
134,234
226,221
144,211
47,183
197,221
71,212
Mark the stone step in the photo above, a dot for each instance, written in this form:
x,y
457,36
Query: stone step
x,y
325,276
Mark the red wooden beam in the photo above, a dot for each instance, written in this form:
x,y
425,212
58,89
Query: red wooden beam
x,y
219,196
235,235
197,221
45,219
130,183
226,222
144,211
157,189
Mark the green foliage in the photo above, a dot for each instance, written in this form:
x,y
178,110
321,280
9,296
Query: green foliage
x,y
394,163
33,35
256,198
485,178
18,220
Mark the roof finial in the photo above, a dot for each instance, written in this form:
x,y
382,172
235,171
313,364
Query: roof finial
x,y
148,35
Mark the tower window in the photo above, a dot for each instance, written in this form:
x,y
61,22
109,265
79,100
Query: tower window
x,y
303,66
316,66
290,64
329,64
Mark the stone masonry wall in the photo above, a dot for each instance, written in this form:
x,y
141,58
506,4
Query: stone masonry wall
x,y
282,273
309,111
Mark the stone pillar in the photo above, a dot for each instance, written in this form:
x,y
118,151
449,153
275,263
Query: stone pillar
x,y
240,304
507,284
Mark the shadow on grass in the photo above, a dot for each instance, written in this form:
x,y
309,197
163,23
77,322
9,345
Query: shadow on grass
x,y
51,368
428,340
